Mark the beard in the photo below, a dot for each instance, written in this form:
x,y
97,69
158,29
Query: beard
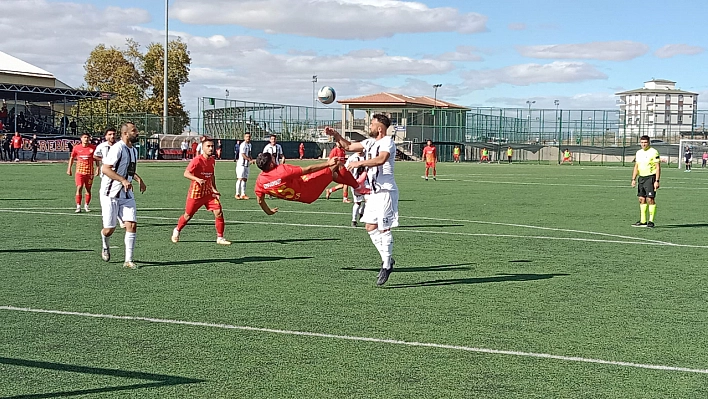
x,y
133,139
373,134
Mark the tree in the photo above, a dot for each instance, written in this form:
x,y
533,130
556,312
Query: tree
x,y
177,76
136,79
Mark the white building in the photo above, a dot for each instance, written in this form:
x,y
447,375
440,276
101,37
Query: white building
x,y
658,110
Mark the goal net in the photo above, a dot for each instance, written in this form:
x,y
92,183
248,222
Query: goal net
x,y
697,150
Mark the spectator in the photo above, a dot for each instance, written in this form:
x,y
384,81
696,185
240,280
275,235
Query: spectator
x,y
184,146
218,149
3,114
6,145
16,146
73,126
237,148
34,144
194,149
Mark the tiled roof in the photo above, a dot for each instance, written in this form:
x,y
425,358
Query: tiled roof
x,y
393,99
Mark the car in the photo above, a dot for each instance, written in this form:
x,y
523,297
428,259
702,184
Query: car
x,y
657,141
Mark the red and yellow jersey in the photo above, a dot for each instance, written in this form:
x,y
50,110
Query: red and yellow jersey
x,y
456,151
84,159
338,153
430,154
285,182
202,168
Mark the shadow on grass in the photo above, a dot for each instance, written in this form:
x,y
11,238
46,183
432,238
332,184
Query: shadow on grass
x,y
238,261
679,226
439,268
156,380
24,199
430,225
479,280
42,250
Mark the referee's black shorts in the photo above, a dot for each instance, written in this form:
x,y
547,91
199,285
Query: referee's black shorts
x,y
645,186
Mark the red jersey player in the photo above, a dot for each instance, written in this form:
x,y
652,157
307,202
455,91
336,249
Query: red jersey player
x,y
202,192
301,150
339,153
293,183
85,170
430,154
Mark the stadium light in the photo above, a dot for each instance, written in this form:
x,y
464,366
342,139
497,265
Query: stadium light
x,y
435,103
164,73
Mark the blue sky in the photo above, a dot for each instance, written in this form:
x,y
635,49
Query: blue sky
x,y
498,54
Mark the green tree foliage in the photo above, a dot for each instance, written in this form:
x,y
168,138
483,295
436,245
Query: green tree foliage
x,y
136,80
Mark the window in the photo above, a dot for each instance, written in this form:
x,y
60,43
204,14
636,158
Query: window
x,y
680,97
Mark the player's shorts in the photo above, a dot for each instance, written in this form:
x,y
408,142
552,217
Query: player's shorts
x,y
485,158
112,208
242,172
356,198
645,186
193,205
83,180
381,209
566,159
689,160
315,184
456,156
430,164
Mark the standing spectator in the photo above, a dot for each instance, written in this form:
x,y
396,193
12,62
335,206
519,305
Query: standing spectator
x,y
218,149
2,152
237,148
7,147
2,126
73,126
16,146
705,158
3,114
34,144
301,150
184,146
194,149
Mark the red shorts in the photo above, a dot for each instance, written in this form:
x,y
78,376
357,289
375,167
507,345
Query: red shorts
x,y
193,204
83,180
456,156
429,165
314,185
566,159
485,158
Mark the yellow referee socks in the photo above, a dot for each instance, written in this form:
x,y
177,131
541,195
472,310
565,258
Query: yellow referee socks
x,y
652,212
643,212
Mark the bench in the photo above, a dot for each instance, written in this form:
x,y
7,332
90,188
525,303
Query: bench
x,y
170,153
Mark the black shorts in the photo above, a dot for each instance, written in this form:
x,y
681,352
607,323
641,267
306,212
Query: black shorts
x,y
645,186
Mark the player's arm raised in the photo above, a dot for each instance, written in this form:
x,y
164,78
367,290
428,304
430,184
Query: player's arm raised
x,y
378,161
265,207
346,144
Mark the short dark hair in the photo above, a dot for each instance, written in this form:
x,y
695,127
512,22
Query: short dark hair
x,y
273,136
110,129
645,137
263,161
383,119
85,134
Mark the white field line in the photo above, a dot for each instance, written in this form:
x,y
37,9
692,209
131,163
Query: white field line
x,y
361,339
429,232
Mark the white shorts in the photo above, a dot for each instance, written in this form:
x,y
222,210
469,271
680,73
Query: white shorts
x,y
381,209
357,198
111,208
242,172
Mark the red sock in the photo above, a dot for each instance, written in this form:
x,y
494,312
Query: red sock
x,y
344,177
181,223
78,199
87,198
219,223
426,173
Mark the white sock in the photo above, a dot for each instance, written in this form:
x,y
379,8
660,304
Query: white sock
x,y
355,211
386,248
105,241
238,184
243,187
129,246
375,236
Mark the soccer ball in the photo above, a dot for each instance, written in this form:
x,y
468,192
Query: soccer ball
x,y
326,95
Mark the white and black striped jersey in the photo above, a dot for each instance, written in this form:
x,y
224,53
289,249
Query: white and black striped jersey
x,y
356,158
244,149
276,150
100,152
123,160
380,177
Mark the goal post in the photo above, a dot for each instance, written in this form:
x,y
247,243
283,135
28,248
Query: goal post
x,y
698,148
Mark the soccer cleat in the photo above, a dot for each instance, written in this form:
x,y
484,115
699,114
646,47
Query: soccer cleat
x,y
222,241
650,225
130,265
346,200
640,224
354,224
426,179
435,178
384,273
78,209
237,196
244,197
328,193
106,254
175,236
86,208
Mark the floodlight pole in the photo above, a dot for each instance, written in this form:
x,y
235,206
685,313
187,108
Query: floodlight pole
x,y
435,104
164,74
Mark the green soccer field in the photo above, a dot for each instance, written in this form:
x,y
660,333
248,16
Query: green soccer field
x,y
511,281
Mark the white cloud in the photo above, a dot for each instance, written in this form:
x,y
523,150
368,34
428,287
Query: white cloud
x,y
609,51
330,19
517,26
527,74
672,50
461,53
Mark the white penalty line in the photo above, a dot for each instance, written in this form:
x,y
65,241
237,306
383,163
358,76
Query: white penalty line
x,y
401,229
362,339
